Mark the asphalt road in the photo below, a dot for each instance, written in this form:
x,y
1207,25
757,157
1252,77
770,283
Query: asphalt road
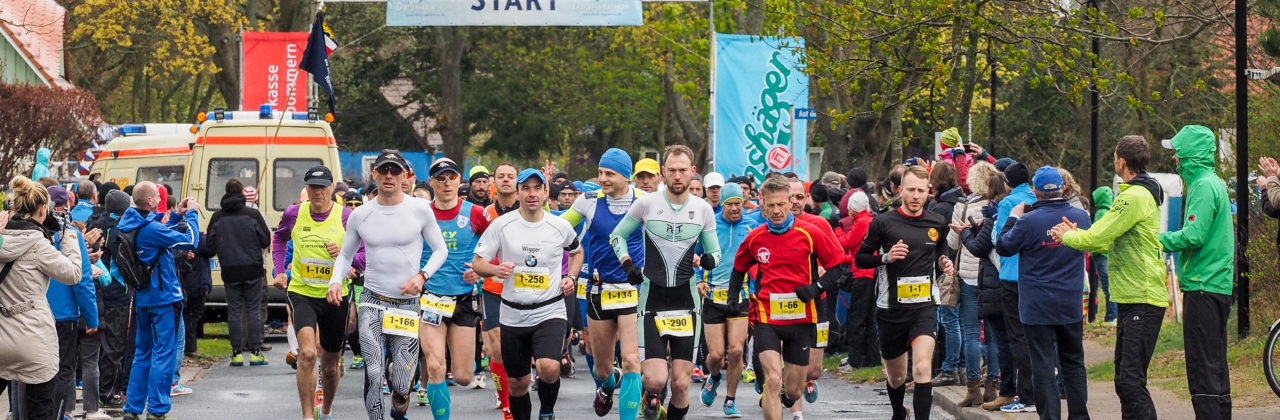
x,y
269,392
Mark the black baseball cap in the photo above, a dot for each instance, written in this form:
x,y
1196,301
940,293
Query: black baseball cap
x,y
319,176
392,156
443,165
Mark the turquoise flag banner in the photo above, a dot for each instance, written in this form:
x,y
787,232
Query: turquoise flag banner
x,y
514,13
759,85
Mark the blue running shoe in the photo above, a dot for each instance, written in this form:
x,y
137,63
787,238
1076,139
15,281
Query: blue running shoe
x,y
759,387
709,391
1018,407
811,392
731,409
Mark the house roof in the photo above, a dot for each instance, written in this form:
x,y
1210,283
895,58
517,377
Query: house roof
x,y
35,27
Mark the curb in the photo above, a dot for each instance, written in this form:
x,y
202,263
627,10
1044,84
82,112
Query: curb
x,y
948,399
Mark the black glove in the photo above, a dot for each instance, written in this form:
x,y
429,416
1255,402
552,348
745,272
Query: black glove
x,y
634,275
989,210
708,262
735,304
809,292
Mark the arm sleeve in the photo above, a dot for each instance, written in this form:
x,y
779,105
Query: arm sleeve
x,y
1010,236
281,237
1195,230
829,254
572,216
866,256
357,262
709,241
618,239
1098,238
435,239
85,293
350,243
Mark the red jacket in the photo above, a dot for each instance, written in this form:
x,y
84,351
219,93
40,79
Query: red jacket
x,y
852,240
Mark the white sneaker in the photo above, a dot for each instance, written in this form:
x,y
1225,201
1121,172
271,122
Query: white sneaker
x,y
798,415
478,382
97,415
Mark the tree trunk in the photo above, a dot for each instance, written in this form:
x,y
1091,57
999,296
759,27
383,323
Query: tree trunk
x,y
451,45
226,56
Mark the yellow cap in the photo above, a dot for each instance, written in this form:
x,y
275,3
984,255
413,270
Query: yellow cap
x,y
478,169
647,165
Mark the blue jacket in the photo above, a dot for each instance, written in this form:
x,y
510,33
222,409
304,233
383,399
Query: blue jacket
x,y
82,211
1020,194
1051,280
154,241
71,303
730,236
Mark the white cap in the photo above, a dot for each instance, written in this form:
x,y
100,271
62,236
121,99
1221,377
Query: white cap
x,y
858,202
1167,143
713,179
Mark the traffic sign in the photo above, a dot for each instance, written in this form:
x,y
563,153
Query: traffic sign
x,y
806,114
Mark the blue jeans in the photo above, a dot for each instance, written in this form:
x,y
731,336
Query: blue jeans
x,y
971,328
950,319
1100,262
181,349
153,359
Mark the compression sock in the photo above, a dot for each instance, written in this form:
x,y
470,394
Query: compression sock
x,y
521,407
896,395
499,372
608,384
547,395
439,399
922,400
676,413
629,396
591,362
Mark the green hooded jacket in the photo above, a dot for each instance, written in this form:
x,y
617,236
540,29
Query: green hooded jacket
x,y
1206,242
1130,232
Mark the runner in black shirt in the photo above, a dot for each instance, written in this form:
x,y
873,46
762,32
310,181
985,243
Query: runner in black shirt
x,y
907,240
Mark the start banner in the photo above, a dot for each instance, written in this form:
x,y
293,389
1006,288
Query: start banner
x,y
514,13
269,71
759,84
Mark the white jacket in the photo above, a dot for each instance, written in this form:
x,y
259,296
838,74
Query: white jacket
x,y
968,265
28,340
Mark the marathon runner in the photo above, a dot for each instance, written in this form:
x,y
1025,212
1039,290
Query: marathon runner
x,y
393,228
530,246
906,241
450,312
504,201
674,222
611,300
725,328
787,251
317,234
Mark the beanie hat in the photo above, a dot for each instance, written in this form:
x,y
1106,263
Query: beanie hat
x,y
818,192
1017,174
856,177
116,202
858,202
1003,163
617,160
58,195
950,137
730,190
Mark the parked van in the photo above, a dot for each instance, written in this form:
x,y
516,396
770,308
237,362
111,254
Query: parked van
x,y
146,152
269,150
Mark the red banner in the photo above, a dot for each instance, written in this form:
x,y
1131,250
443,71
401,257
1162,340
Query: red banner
x,y
269,71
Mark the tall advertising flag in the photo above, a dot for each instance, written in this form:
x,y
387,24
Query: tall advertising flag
x,y
269,70
315,59
759,84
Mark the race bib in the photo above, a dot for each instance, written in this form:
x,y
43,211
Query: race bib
x,y
720,295
824,330
785,307
674,323
439,305
582,288
400,322
316,270
532,278
618,296
916,289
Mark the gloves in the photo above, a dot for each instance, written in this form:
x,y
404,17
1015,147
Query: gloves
x,y
708,262
989,210
809,292
735,304
634,275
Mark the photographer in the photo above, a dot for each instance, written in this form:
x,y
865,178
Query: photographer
x,y
28,338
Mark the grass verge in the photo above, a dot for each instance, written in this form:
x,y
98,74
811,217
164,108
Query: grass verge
x,y
214,347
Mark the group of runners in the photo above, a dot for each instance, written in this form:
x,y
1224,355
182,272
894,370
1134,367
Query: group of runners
x,y
638,276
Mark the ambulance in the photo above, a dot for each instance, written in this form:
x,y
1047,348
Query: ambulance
x,y
146,152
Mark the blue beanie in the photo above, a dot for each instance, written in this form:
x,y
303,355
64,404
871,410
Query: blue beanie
x,y
617,160
1003,163
730,190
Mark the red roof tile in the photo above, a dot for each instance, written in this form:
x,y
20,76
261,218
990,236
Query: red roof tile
x,y
37,26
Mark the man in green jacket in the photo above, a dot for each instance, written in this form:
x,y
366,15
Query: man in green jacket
x,y
1206,267
1130,233
1100,284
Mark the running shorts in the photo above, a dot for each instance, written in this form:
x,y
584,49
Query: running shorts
x,y
327,320
466,311
714,313
522,345
491,304
595,308
898,328
791,341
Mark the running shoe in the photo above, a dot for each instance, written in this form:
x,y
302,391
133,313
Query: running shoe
x,y
497,401
130,416
749,375
237,360
1018,407
319,400
400,416
292,360
653,409
320,416
603,402
448,379
116,401
478,381
709,392
698,376
845,367
731,409
357,362
422,398
759,387
97,415
177,390
567,369
811,392
257,359
797,415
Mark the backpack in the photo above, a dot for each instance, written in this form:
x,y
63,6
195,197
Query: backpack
x,y
123,249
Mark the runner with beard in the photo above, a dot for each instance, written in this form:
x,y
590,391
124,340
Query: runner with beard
x,y
504,181
673,222
611,300
907,239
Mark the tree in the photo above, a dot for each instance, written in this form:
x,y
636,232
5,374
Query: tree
x,y
64,120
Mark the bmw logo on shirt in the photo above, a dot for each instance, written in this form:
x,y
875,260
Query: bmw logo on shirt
x,y
531,261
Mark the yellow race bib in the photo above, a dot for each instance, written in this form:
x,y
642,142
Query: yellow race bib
x,y
582,288
785,307
618,296
916,289
400,322
824,331
720,295
674,323
440,305
532,278
315,270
